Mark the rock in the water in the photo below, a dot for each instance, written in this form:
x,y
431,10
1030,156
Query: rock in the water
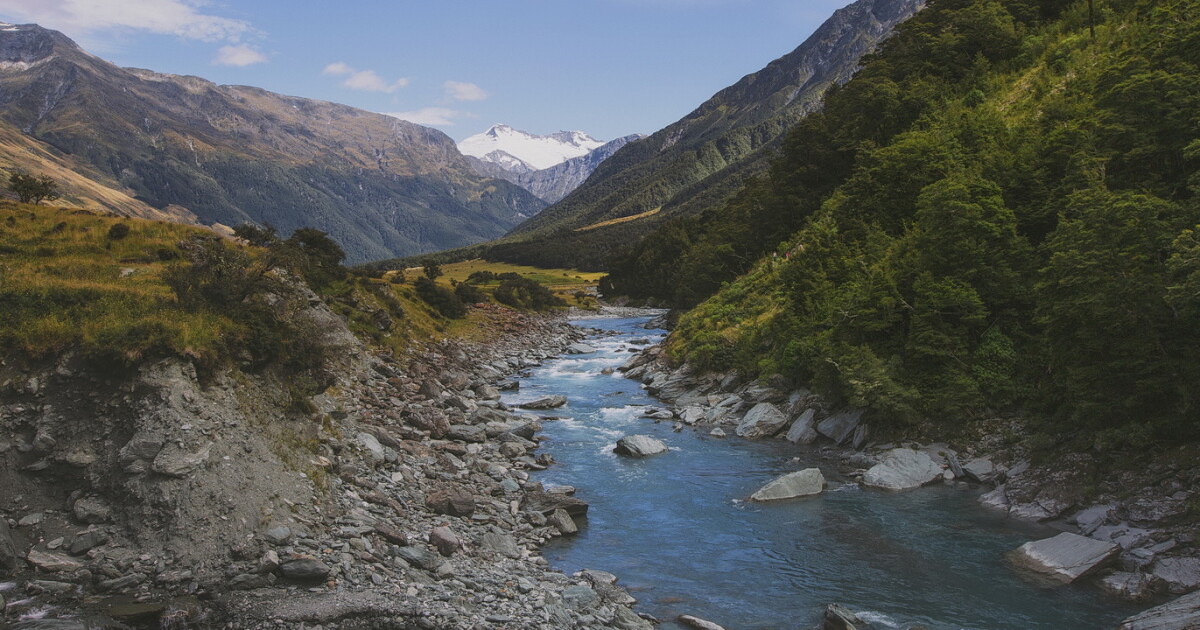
x,y
902,469
838,617
717,432
1178,614
547,502
1126,585
549,402
698,623
639,446
563,521
1065,557
840,426
304,569
801,483
803,429
763,420
580,348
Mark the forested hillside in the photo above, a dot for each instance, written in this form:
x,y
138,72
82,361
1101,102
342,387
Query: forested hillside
x,y
997,212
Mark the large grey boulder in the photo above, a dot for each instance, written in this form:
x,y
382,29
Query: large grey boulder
x,y
838,617
801,483
1178,614
980,469
903,469
1065,557
763,420
639,446
1180,575
176,461
840,426
580,348
698,623
803,429
546,502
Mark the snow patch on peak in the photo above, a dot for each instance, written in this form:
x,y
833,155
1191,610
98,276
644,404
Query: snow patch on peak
x,y
534,151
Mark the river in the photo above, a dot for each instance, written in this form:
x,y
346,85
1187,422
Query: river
x,y
677,532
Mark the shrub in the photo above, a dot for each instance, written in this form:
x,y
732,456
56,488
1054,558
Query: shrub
x,y
470,294
524,293
440,298
118,231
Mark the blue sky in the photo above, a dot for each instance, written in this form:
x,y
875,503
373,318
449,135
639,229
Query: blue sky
x,y
607,67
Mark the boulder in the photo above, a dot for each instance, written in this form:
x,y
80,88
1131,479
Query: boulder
x,y
445,540
1180,575
563,521
420,558
762,421
580,597
840,426
176,461
502,544
803,429
278,535
487,392
692,414
304,569
87,540
639,446
549,402
452,502
902,469
838,617
980,470
1065,557
547,502
1136,586
1178,614
580,348
467,433
372,449
801,483
698,623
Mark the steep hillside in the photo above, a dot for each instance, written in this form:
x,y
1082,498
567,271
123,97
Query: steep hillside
x,y
997,215
233,154
554,183
700,161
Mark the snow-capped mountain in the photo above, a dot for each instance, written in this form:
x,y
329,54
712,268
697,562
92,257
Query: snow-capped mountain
x,y
522,152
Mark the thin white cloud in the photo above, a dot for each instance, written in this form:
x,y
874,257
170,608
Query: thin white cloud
x,y
432,116
181,18
238,56
366,80
458,91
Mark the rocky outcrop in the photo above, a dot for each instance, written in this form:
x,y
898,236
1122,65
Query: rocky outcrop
x,y
762,421
639,446
801,483
1065,557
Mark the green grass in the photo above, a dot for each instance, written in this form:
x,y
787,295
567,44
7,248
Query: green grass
x,y
565,283
64,283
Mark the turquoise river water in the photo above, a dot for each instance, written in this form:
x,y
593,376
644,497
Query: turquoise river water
x,y
676,530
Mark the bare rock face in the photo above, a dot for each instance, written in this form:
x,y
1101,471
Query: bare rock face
x,y
1065,557
801,483
840,426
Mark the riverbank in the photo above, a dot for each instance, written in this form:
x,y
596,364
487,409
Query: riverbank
x,y
1142,512
400,497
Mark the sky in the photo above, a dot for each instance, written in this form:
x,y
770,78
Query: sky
x,y
606,67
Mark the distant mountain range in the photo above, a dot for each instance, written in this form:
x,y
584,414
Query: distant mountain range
x,y
144,143
547,166
701,161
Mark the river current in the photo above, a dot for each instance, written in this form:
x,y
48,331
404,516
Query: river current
x,y
676,529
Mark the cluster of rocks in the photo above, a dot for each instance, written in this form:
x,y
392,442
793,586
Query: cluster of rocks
x,y
400,497
1135,544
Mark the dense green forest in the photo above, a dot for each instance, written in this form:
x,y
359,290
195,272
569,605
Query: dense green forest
x,y
998,212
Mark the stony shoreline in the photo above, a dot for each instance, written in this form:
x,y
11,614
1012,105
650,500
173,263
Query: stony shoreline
x,y
401,500
1148,536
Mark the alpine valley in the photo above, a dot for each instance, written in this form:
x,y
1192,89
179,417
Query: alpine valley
x,y
899,331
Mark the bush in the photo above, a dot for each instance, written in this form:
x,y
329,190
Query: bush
x,y
470,294
118,231
440,298
32,188
524,293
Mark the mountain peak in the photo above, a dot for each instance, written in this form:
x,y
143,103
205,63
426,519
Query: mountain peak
x,y
538,152
30,43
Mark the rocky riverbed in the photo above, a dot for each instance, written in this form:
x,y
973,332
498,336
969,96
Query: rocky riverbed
x,y
1132,531
398,498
